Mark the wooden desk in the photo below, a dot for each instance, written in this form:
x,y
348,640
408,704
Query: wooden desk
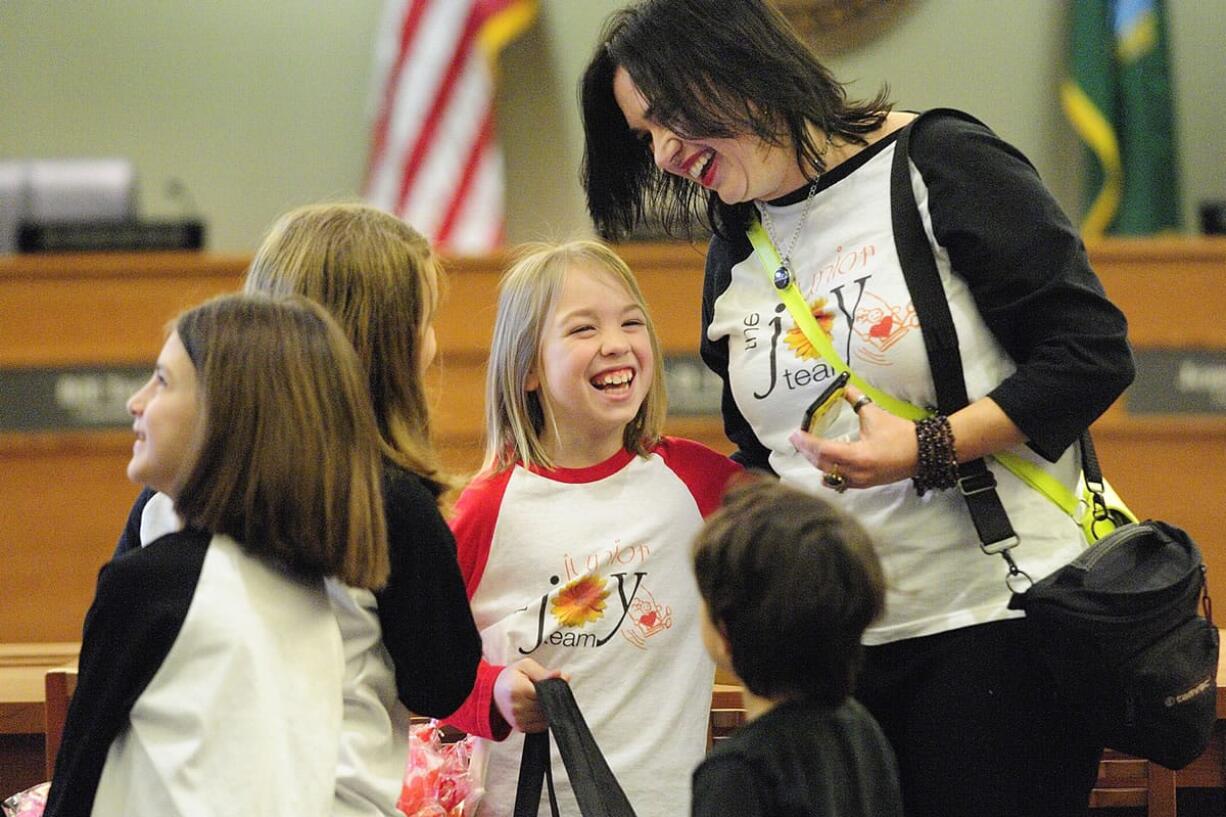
x,y
66,497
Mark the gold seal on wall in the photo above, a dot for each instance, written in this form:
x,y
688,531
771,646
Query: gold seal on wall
x,y
831,26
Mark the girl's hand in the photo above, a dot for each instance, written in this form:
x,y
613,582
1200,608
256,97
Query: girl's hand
x,y
515,696
886,451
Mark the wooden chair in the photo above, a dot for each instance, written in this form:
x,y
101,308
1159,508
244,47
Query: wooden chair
x,y
727,712
1131,782
723,723
60,684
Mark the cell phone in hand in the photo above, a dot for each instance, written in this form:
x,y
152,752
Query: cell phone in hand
x,y
819,415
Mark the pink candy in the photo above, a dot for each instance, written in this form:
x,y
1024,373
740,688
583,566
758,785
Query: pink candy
x,y
436,781
28,803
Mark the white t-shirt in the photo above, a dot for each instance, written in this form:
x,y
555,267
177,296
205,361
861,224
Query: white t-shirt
x,y
937,578
589,570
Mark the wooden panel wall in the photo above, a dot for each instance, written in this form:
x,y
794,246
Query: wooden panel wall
x,y
1169,467
63,497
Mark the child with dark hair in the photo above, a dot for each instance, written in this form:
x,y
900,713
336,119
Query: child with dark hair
x,y
788,585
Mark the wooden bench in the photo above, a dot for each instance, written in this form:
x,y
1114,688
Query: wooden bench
x,y
23,719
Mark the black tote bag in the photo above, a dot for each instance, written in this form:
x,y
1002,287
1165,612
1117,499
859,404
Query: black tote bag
x,y
596,789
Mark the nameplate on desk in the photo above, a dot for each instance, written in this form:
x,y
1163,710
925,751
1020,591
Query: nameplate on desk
x,y
1178,381
110,236
693,389
68,399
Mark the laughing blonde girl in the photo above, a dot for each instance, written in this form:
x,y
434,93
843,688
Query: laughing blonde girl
x,y
574,539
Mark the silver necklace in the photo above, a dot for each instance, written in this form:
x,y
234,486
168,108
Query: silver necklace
x,y
783,275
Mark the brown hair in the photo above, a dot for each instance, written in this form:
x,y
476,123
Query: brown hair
x,y
382,283
792,582
515,416
288,459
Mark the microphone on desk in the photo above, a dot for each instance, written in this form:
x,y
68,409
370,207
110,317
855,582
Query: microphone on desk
x,y
177,192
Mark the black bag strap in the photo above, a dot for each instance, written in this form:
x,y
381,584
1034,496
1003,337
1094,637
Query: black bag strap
x,y
534,766
596,789
975,480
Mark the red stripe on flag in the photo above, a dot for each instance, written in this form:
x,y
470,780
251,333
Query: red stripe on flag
x,y
459,196
442,98
378,144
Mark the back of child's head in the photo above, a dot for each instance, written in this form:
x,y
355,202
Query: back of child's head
x,y
515,416
792,583
382,282
287,460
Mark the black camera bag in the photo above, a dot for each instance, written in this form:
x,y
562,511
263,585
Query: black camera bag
x,y
1121,631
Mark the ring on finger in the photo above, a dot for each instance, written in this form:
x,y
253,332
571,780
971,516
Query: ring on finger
x,y
861,403
834,480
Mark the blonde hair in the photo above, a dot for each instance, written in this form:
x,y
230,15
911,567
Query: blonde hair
x,y
288,457
515,416
382,283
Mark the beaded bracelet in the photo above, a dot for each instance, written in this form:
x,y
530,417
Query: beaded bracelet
x,y
937,465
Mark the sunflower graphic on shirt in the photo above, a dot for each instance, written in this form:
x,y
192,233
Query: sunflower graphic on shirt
x,y
581,601
795,338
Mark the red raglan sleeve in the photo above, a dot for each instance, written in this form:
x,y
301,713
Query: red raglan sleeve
x,y
705,472
473,523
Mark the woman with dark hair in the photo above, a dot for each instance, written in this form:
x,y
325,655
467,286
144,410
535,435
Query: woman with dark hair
x,y
713,112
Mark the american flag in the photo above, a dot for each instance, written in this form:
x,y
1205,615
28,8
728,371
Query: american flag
x,y
434,158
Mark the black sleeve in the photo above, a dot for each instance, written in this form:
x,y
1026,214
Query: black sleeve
x,y
138,609
1027,270
129,539
721,256
427,624
725,786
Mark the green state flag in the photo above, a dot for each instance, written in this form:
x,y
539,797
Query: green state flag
x,y
1118,99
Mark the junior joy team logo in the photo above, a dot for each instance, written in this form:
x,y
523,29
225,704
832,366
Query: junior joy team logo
x,y
791,360
592,607
878,325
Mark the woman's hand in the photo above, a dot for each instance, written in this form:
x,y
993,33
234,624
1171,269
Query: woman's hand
x,y
887,450
515,696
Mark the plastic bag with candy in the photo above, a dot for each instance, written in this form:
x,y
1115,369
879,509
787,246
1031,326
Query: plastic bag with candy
x,y
436,781
28,803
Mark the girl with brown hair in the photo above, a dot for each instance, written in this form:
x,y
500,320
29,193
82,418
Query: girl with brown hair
x,y
411,646
211,664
